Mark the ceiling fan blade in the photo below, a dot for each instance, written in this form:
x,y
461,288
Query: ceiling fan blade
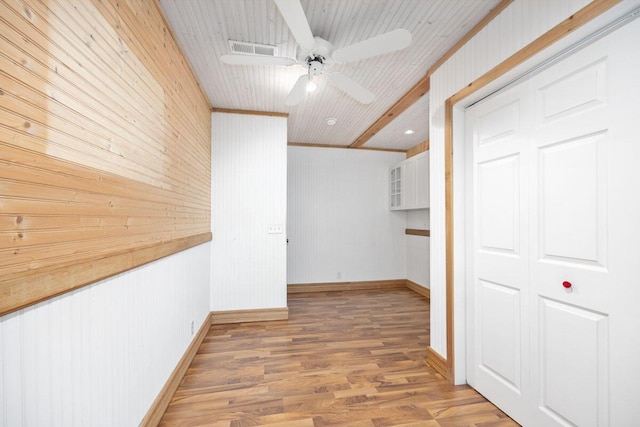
x,y
257,60
297,91
293,14
351,88
378,45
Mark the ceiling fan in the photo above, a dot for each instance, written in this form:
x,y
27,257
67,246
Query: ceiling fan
x,y
318,55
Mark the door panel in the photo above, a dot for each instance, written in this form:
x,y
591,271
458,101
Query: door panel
x,y
573,92
572,200
500,123
498,205
500,354
573,367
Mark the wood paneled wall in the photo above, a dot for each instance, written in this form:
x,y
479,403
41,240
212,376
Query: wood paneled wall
x,y
104,145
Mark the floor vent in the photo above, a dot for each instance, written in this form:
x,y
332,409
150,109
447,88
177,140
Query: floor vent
x,y
253,48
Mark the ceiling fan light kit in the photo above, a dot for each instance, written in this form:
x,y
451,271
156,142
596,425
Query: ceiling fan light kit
x,y
311,86
317,54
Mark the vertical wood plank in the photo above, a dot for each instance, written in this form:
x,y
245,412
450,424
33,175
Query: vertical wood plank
x,y
104,141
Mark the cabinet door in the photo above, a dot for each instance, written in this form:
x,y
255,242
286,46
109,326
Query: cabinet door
x,y
409,190
409,183
395,187
422,180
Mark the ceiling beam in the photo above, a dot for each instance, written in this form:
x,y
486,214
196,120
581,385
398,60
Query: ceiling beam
x,y
422,87
418,148
248,112
305,144
399,107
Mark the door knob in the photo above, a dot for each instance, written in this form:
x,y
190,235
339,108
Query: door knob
x,y
566,284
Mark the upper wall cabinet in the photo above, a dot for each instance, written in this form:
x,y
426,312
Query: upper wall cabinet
x,y
409,183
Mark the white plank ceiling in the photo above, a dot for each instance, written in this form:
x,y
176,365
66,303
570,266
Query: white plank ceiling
x,y
203,28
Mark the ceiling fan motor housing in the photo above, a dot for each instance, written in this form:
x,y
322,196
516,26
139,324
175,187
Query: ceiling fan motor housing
x,y
316,65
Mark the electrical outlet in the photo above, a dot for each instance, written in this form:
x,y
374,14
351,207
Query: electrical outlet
x,y
275,229
192,328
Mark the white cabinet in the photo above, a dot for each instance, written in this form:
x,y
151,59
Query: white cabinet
x,y
395,192
422,180
409,183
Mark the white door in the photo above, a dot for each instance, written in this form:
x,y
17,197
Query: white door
x,y
499,251
554,236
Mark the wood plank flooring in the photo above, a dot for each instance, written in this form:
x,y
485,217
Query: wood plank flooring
x,y
352,358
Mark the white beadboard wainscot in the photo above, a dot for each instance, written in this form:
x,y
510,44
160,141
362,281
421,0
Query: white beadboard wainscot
x,y
248,197
340,228
418,248
99,356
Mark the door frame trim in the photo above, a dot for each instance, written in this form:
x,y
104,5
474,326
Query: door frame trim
x,y
523,57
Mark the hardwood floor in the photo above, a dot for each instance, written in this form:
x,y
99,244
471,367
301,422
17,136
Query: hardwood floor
x,y
352,358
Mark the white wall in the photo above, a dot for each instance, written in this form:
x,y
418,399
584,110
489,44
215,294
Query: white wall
x,y
523,21
418,248
248,194
340,227
98,356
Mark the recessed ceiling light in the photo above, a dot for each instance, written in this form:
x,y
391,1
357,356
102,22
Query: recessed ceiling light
x,y
409,131
332,121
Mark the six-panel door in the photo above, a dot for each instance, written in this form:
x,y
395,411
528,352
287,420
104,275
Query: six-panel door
x,y
554,237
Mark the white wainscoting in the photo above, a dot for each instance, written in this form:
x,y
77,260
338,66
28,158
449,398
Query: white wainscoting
x,y
418,248
340,228
99,356
248,196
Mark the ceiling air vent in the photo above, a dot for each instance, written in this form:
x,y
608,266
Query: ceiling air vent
x,y
253,48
